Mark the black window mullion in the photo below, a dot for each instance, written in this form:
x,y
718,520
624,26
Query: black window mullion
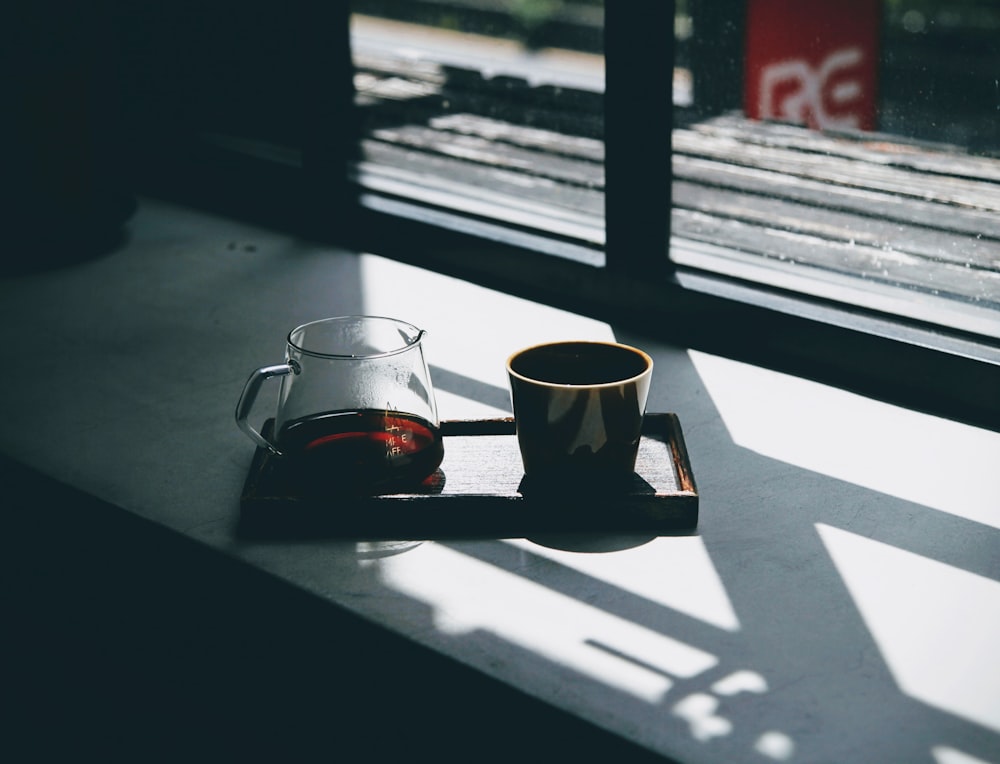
x,y
638,118
328,118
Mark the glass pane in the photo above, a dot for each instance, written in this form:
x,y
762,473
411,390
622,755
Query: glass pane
x,y
859,162
487,108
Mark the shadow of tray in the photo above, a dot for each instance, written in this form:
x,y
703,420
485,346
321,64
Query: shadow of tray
x,y
480,491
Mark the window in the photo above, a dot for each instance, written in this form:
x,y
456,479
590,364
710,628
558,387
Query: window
x,y
550,147
492,121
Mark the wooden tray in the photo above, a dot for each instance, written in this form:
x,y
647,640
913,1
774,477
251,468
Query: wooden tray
x,y
480,490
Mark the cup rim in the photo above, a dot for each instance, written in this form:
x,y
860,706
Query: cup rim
x,y
418,335
568,385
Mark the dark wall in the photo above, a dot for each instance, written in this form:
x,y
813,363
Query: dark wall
x,y
103,95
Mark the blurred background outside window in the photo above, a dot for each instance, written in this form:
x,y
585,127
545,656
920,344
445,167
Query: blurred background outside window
x,y
883,191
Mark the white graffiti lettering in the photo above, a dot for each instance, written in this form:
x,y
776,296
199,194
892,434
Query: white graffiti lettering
x,y
794,91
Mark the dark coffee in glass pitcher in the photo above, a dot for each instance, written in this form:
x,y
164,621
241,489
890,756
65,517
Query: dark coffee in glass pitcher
x,y
355,412
367,450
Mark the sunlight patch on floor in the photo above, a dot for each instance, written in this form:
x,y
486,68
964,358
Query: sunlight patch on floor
x,y
886,448
471,330
945,755
674,572
937,626
468,595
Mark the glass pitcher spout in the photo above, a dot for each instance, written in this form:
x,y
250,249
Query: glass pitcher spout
x,y
354,337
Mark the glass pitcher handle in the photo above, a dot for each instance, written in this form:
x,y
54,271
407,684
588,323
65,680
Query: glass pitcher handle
x,y
249,395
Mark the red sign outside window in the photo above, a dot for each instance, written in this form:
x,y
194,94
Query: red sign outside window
x,y
813,63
